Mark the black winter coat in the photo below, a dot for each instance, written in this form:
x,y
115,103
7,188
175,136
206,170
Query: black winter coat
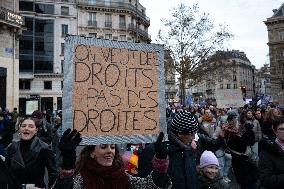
x,y
217,183
45,132
7,179
183,160
246,172
6,134
31,169
271,165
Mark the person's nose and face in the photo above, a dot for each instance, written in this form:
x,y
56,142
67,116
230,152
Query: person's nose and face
x,y
249,114
104,154
211,171
208,112
276,112
186,138
280,132
258,114
27,129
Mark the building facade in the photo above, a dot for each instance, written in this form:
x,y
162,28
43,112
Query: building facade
x,y
235,71
11,23
262,80
42,51
42,44
119,20
275,28
170,82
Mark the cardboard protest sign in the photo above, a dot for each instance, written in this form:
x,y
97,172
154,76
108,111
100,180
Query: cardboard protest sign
x,y
227,98
113,91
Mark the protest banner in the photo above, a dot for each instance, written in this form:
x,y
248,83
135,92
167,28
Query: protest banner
x,y
113,91
227,98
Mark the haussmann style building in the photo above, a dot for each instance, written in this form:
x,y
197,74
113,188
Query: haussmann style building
x,y
275,28
41,54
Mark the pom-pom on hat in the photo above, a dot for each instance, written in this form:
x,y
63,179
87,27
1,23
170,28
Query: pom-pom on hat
x,y
183,123
208,158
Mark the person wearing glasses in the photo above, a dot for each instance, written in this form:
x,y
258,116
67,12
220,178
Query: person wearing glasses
x,y
271,158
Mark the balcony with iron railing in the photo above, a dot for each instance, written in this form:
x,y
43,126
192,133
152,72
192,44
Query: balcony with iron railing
x,y
65,1
108,24
132,27
11,18
122,25
115,5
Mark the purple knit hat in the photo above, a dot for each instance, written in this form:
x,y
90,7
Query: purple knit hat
x,y
208,158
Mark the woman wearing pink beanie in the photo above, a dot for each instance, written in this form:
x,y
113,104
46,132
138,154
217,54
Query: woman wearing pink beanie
x,y
209,172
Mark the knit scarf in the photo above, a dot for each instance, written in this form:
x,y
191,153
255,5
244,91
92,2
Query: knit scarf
x,y
207,118
96,176
280,143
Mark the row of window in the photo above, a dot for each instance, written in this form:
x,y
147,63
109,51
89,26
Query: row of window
x,y
108,20
25,84
235,86
41,8
36,46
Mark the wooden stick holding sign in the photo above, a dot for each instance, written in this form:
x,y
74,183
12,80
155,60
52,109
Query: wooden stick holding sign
x,y
113,91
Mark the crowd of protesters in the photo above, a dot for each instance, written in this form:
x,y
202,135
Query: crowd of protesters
x,y
206,147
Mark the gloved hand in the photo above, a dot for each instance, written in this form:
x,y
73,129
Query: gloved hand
x,y
67,145
160,150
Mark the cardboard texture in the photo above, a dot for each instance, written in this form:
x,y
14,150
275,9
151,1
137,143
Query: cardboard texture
x,y
113,91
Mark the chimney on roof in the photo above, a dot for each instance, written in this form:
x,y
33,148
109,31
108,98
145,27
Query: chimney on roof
x,y
274,10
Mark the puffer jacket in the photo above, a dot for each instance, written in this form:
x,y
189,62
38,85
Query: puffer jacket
x,y
31,169
206,183
183,160
271,165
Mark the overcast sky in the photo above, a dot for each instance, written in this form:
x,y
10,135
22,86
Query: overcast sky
x,y
243,17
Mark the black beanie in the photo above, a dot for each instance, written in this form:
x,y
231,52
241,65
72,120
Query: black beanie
x,y
184,122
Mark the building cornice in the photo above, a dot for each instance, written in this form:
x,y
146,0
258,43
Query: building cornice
x,y
274,20
119,8
34,14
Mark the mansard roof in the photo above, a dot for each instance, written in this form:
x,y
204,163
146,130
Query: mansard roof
x,y
230,55
279,11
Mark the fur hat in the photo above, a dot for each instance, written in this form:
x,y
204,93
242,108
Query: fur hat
x,y
184,122
37,114
208,158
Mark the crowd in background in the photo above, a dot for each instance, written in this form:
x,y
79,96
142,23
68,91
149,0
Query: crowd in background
x,y
205,147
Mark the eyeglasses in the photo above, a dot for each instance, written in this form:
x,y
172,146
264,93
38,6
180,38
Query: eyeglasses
x,y
281,130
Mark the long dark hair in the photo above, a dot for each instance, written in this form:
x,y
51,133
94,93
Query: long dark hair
x,y
85,155
269,116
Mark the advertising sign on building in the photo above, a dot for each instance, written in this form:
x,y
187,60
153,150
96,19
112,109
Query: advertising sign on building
x,y
113,91
227,98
